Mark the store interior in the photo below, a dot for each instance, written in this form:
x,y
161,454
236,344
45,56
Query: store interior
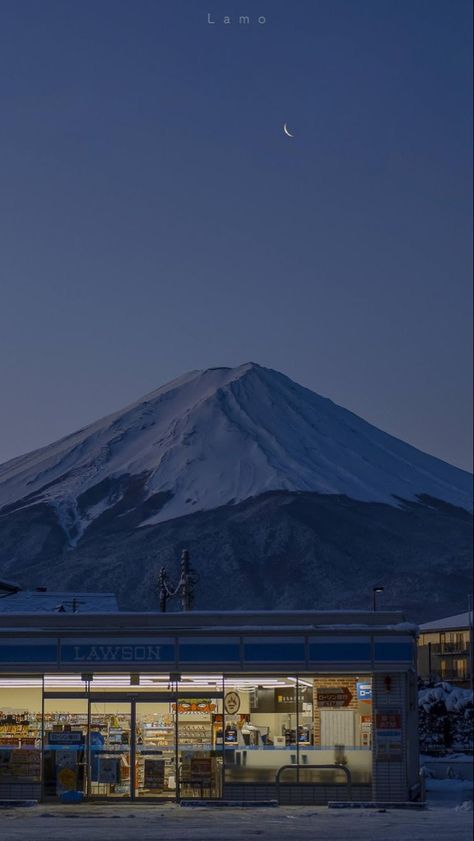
x,y
146,737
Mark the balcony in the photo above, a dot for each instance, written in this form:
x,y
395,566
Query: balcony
x,y
461,648
454,674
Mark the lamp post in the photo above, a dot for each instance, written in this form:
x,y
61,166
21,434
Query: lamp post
x,y
376,590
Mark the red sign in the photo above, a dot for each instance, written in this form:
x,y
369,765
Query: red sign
x,y
388,720
195,707
334,697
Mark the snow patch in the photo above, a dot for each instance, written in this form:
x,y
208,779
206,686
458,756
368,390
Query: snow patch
x,y
456,699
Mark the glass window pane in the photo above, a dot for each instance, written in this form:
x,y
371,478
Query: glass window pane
x,y
65,748
260,733
155,749
20,737
339,721
110,742
200,745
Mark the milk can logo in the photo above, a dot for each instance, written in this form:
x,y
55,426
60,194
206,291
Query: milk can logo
x,y
236,20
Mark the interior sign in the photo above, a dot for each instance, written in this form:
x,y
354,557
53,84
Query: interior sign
x,y
334,696
364,691
232,703
196,706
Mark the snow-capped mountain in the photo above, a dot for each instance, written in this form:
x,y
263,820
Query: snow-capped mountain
x,y
284,500
217,437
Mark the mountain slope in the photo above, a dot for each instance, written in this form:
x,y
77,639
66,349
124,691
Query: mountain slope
x,y
218,437
279,550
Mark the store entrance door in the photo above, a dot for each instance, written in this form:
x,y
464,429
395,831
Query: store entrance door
x,y
110,755
132,742
155,748
118,745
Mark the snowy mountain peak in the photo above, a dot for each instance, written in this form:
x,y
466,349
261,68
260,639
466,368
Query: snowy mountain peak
x,y
215,437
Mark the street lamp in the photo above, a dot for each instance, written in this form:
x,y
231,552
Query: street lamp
x,y
376,590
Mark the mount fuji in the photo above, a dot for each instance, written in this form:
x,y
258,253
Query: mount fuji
x,y
238,462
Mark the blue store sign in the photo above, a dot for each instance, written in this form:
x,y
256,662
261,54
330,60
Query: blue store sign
x,y
364,691
29,651
119,650
265,652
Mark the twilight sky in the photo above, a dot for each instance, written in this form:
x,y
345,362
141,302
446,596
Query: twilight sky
x,y
154,218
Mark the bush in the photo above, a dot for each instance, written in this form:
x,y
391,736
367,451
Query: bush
x,y
446,718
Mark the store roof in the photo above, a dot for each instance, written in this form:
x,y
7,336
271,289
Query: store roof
x,y
450,623
300,621
41,601
8,587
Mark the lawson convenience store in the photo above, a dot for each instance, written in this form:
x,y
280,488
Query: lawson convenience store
x,y
303,707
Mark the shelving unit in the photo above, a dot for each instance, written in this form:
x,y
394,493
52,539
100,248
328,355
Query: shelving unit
x,y
20,749
196,735
154,736
155,756
156,772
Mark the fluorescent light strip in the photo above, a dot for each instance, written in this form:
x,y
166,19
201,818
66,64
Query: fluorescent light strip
x,y
299,680
158,682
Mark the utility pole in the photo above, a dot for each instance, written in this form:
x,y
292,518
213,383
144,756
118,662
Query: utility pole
x,y
163,589
184,589
186,582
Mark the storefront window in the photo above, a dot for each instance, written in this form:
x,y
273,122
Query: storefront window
x,y
20,737
340,721
65,748
200,736
273,722
123,736
261,726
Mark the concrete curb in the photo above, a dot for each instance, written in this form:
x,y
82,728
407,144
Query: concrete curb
x,y
17,804
217,804
373,804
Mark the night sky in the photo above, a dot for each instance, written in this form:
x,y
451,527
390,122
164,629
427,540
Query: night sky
x,y
154,218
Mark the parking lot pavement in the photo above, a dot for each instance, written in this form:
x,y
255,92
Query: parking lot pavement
x,y
169,822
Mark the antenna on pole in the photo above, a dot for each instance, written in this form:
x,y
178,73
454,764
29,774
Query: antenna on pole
x,y
184,589
186,582
164,595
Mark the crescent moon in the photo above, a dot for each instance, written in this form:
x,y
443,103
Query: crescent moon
x,y
287,132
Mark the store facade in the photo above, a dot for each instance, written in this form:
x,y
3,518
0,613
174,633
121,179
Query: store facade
x,y
302,707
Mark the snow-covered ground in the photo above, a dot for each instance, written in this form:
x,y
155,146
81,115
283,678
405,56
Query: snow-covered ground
x,y
169,822
453,766
451,792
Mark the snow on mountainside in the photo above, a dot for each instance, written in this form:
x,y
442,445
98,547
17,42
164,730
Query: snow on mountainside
x,y
216,437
